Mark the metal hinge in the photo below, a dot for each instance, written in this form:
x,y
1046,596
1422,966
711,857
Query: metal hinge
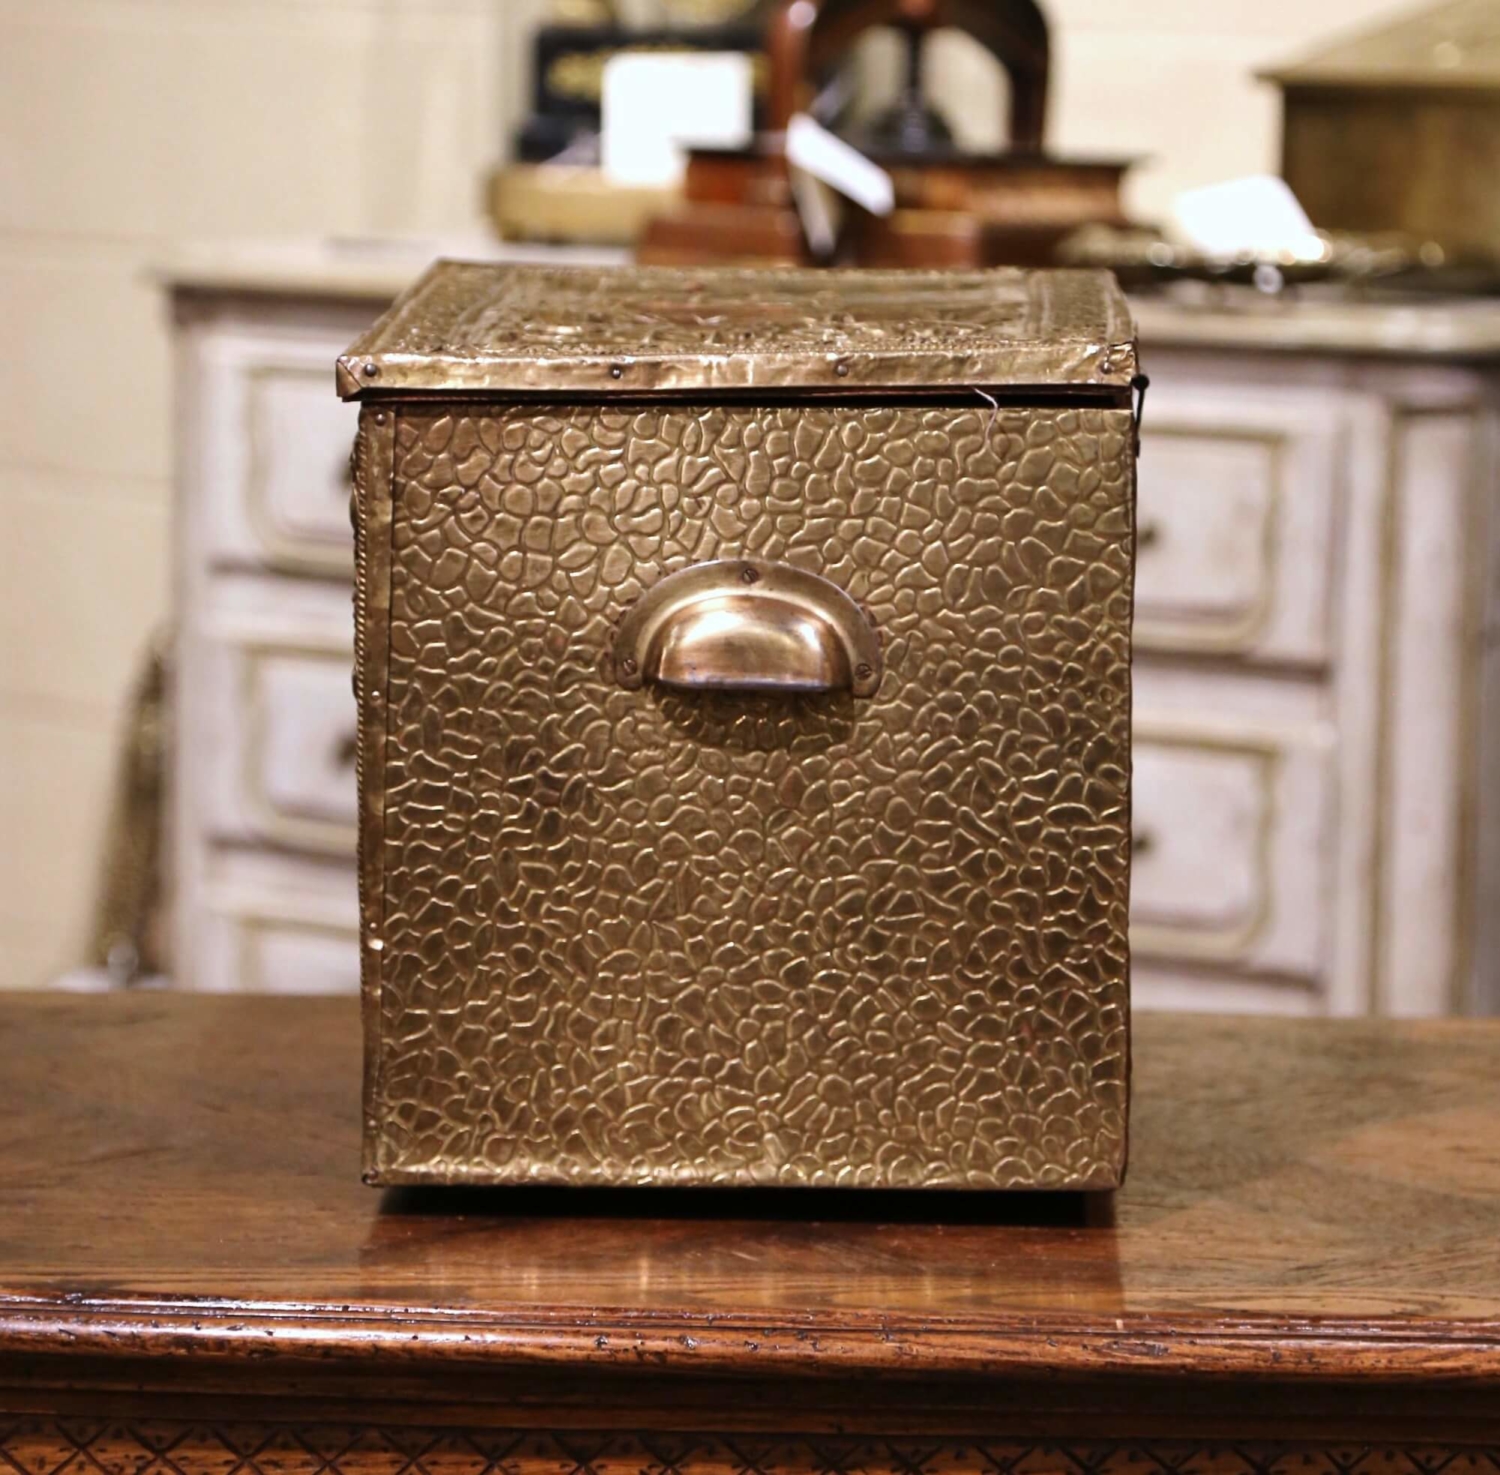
x,y
1140,384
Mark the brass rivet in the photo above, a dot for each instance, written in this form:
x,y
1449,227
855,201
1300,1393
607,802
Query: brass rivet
x,y
616,371
627,666
749,575
371,370
380,418
842,370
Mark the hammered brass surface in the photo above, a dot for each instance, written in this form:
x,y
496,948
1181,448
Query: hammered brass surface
x,y
478,328
659,937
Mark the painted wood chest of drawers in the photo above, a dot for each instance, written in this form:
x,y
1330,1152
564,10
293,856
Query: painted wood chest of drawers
x,y
1319,565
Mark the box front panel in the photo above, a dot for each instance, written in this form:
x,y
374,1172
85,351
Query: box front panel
x,y
658,936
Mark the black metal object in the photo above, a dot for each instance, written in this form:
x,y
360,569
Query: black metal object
x,y
568,75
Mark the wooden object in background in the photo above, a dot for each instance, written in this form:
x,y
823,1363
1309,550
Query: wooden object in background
x,y
804,39
1302,1274
954,209
1017,208
1316,724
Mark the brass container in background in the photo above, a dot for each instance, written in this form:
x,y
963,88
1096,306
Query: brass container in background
x,y
1399,130
744,686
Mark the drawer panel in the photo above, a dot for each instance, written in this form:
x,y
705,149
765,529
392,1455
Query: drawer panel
x,y
301,763
273,446
284,771
1232,845
288,958
1238,496
1192,989
268,920
298,482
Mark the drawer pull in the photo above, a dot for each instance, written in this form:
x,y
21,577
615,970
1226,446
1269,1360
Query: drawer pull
x,y
747,625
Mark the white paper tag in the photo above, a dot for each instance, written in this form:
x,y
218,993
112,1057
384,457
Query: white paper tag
x,y
824,155
657,105
1257,215
819,209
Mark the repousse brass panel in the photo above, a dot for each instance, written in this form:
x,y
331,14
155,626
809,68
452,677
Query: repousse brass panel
x,y
653,936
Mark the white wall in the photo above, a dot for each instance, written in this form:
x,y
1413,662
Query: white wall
x,y
126,125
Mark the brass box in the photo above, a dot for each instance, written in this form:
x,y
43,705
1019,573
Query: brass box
x,y
744,684
1398,129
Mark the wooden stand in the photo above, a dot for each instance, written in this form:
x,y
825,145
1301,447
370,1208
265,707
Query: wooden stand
x,y
1301,1275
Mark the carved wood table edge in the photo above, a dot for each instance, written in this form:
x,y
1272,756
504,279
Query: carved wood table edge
x,y
363,1337
193,1282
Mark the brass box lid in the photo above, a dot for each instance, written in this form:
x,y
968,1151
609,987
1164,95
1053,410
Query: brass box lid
x,y
473,328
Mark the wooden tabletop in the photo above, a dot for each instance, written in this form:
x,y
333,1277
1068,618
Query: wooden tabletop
x,y
1312,1208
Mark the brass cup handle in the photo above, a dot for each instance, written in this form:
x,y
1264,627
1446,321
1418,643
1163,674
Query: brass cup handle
x,y
741,624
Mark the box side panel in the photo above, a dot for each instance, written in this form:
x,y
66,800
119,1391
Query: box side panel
x,y
372,603
654,936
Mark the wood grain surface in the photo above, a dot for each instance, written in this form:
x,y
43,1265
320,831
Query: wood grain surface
x,y
1308,1245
